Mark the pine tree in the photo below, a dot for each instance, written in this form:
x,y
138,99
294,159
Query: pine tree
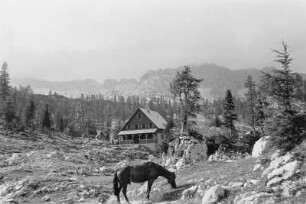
x,y
29,115
4,83
260,113
251,101
4,89
229,113
46,123
61,125
288,128
185,87
9,113
282,81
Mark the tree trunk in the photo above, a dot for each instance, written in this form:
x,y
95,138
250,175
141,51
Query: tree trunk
x,y
184,127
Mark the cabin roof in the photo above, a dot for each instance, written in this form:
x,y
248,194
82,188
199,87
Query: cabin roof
x,y
158,120
139,131
153,116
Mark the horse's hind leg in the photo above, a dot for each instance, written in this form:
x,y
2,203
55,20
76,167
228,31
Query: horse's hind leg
x,y
118,196
124,193
150,182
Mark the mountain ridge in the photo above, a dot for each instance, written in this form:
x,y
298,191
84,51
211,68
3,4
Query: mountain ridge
x,y
217,79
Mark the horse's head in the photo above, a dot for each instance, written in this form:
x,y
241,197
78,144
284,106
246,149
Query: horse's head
x,y
171,180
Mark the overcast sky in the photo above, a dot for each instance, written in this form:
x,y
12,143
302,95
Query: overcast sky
x,y
98,39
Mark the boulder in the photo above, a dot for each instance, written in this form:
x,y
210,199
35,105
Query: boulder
x,y
284,176
15,159
197,152
214,194
285,172
252,197
46,198
189,192
180,163
261,146
236,184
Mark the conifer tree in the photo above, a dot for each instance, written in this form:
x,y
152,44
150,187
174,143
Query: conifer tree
x,y
61,125
29,115
229,113
251,101
260,113
9,113
185,87
4,89
46,123
288,128
4,83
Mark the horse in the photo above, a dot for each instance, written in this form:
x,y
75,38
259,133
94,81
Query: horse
x,y
148,171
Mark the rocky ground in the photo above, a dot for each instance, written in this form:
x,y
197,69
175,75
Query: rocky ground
x,y
61,169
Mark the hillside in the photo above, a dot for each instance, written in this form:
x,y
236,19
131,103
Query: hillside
x,y
62,169
217,80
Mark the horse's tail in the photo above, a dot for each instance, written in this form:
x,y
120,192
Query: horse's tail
x,y
115,184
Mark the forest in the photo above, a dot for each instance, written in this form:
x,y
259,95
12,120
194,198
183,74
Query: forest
x,y
23,110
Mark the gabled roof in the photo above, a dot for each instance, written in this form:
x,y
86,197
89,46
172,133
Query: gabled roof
x,y
155,117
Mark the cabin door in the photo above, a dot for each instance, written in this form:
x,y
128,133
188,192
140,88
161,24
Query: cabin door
x,y
136,139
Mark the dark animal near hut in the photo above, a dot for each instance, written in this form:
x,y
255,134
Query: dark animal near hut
x,y
148,171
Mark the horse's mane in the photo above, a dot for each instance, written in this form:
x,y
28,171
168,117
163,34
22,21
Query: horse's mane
x,y
162,169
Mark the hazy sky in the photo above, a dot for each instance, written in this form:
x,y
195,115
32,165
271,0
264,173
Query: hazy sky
x,y
98,39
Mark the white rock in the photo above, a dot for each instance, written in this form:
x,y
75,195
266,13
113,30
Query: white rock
x,y
102,169
214,194
180,163
189,192
14,159
298,194
277,162
285,171
151,157
250,198
168,162
236,184
46,198
261,146
210,158
258,167
254,181
275,155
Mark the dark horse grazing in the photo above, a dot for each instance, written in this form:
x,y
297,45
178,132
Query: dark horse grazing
x,y
148,171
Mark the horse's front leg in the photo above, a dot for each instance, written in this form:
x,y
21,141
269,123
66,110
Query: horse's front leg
x,y
118,196
124,193
150,182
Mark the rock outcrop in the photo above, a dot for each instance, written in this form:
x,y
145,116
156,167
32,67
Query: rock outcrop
x,y
261,146
284,175
184,151
214,194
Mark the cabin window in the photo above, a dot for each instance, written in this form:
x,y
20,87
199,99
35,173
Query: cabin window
x,y
143,126
136,126
151,125
129,137
142,137
139,115
150,136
